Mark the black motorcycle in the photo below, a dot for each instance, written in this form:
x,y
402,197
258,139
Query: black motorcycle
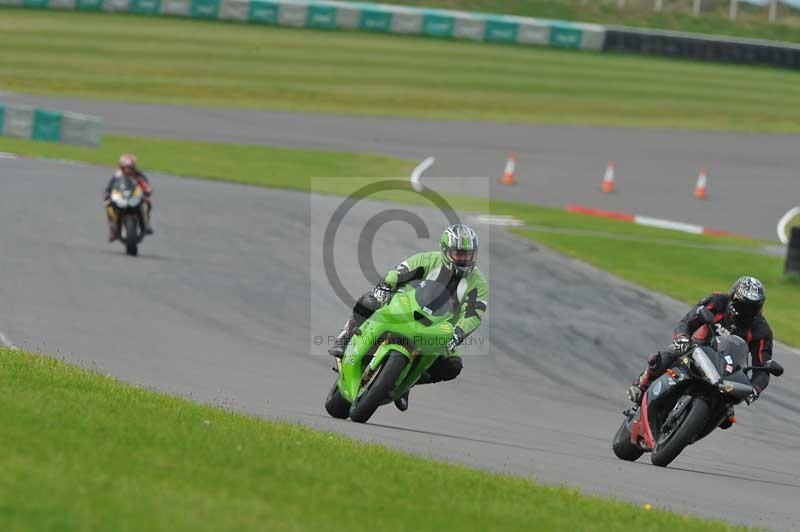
x,y
125,207
690,400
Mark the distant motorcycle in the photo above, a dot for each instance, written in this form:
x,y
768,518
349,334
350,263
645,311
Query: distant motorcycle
x,y
392,350
690,400
126,208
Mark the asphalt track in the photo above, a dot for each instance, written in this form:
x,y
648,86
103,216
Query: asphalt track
x,y
219,308
753,177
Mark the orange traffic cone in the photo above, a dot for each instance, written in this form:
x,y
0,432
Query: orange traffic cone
x,y
511,167
701,188
608,178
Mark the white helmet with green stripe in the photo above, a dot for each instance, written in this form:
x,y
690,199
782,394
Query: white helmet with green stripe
x,y
459,248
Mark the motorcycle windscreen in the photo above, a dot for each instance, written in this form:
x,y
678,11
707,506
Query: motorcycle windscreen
x,y
705,365
733,349
434,298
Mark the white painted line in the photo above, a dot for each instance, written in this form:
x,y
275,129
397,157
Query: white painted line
x,y
418,171
783,222
668,224
5,342
502,220
6,155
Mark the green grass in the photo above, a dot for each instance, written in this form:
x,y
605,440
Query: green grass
x,y
252,165
147,59
677,15
85,452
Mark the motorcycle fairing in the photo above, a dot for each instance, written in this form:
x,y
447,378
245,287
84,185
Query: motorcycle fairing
x,y
402,326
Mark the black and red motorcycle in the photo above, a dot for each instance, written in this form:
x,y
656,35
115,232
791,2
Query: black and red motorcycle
x,y
690,400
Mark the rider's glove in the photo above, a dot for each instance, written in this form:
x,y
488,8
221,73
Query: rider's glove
x,y
382,293
681,344
454,342
750,399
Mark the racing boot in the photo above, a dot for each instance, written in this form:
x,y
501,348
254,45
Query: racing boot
x,y
340,344
402,402
146,227
640,385
730,419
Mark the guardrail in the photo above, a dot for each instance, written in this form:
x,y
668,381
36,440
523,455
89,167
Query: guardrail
x,y
441,23
701,47
46,125
328,14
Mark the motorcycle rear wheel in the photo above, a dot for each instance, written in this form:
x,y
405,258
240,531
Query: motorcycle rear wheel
x,y
336,405
379,390
686,433
623,448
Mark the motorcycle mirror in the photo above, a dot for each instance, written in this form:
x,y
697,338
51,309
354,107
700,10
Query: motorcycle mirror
x,y
772,367
705,314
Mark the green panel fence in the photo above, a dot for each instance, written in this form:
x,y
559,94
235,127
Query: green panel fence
x,y
47,125
263,12
375,20
330,14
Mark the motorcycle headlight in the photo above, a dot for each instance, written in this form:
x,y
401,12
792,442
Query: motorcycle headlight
x,y
706,367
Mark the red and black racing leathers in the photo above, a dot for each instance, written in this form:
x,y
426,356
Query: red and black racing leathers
x,y
757,334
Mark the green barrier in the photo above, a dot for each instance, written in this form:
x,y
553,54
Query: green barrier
x,y
263,12
437,25
89,5
2,117
46,125
375,21
321,16
329,15
207,9
145,7
565,37
501,31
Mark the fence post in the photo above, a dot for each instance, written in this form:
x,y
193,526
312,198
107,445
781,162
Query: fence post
x,y
620,4
793,253
659,5
734,9
773,11
696,7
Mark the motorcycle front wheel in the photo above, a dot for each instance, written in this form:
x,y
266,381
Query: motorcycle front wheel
x,y
131,235
366,405
670,445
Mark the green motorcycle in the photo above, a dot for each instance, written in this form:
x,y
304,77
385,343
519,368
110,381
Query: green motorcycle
x,y
392,350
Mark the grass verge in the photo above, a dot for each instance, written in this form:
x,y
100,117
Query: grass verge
x,y
85,452
248,164
697,264
233,65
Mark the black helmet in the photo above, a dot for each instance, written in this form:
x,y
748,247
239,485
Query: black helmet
x,y
459,248
747,299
